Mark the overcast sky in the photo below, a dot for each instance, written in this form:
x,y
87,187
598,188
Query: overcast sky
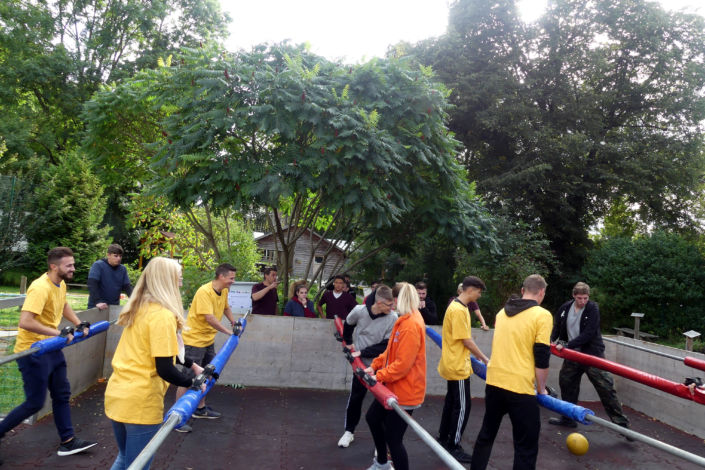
x,y
356,30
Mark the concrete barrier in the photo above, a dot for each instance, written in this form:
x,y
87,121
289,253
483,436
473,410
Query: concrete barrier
x,y
685,415
84,360
292,352
303,353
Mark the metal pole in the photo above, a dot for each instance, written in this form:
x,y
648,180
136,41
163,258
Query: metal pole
x,y
426,437
696,459
14,357
640,348
174,417
152,446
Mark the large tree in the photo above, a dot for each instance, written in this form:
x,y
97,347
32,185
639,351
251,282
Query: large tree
x,y
598,103
55,54
361,153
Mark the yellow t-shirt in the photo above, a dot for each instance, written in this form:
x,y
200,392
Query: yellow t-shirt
x,y
198,332
511,366
135,393
46,300
455,357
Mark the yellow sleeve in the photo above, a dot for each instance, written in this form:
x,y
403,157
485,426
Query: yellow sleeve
x,y
36,300
460,324
201,304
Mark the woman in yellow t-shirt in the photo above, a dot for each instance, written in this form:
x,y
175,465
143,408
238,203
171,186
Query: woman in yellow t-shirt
x,y
144,359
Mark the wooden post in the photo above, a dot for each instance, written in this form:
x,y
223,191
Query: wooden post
x,y
689,337
23,285
637,319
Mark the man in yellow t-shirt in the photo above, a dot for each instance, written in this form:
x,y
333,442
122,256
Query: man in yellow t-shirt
x,y
41,313
202,324
455,367
518,369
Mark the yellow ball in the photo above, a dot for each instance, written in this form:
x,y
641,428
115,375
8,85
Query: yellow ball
x,y
577,443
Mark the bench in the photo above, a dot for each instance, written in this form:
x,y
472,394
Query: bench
x,y
630,332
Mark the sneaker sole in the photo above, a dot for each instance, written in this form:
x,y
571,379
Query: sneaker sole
x,y
63,453
204,417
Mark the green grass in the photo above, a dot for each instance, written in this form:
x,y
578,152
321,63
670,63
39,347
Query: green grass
x,y
9,317
11,387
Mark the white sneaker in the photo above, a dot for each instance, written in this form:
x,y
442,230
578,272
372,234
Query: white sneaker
x,y
379,466
347,438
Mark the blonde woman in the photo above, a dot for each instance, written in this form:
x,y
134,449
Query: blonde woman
x,y
144,359
402,369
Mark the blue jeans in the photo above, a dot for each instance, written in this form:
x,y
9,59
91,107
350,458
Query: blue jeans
x,y
40,373
131,439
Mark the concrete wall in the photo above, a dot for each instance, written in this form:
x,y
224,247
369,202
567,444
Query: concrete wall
x,y
302,353
685,415
84,359
291,352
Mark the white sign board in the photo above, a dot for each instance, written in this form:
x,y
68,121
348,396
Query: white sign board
x,y
240,297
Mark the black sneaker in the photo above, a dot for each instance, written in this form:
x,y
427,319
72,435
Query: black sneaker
x,y
74,446
563,421
460,455
206,412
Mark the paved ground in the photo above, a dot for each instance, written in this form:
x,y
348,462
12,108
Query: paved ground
x,y
298,429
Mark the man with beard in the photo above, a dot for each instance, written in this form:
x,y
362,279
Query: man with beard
x,y
202,324
42,310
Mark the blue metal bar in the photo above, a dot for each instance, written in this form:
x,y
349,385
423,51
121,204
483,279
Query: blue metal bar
x,y
57,342
184,407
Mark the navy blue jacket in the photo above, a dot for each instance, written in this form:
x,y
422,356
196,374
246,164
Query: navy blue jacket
x,y
293,308
589,341
105,283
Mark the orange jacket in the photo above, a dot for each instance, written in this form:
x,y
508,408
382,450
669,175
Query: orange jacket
x,y
402,366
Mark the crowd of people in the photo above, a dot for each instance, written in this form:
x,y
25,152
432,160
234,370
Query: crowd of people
x,y
158,346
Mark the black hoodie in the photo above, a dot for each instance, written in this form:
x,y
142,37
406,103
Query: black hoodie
x,y
517,305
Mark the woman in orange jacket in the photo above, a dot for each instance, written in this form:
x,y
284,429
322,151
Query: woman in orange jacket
x,y
402,369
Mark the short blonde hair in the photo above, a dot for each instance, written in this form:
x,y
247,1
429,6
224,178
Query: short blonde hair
x,y
408,300
159,283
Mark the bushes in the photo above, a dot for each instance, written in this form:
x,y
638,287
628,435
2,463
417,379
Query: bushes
x,y
524,251
661,275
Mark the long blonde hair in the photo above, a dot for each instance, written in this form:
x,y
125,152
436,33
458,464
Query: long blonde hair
x,y
159,283
408,299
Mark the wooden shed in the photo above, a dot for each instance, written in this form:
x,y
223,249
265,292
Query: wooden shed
x,y
302,252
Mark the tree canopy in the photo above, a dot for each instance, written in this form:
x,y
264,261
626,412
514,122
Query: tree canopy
x,y
54,55
363,148
598,103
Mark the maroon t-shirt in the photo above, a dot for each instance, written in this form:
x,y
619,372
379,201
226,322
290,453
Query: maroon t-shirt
x,y
267,305
340,306
472,306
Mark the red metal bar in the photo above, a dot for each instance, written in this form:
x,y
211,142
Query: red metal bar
x,y
654,381
380,392
695,363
